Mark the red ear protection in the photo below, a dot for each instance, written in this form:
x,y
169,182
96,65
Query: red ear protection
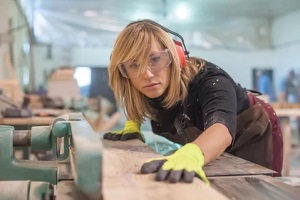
x,y
180,46
180,52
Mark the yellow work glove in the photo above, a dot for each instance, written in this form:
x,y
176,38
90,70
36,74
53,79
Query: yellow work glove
x,y
131,130
183,165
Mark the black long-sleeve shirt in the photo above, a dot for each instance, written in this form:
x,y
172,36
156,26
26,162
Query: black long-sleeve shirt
x,y
213,97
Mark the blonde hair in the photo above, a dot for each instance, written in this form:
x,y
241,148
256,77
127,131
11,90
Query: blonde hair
x,y
134,44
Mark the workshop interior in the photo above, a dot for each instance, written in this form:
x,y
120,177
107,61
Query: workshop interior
x,y
56,103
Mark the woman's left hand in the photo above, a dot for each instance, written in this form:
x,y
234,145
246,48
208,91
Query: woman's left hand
x,y
183,165
130,131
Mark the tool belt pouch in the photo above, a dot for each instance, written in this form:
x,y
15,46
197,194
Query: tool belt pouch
x,y
253,140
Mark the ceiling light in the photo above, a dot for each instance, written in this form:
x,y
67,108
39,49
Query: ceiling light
x,y
182,11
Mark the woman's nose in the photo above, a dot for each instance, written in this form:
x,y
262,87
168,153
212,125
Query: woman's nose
x,y
148,73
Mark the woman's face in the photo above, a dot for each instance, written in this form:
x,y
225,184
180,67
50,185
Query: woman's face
x,y
156,79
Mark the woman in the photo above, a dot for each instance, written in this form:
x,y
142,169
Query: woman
x,y
189,101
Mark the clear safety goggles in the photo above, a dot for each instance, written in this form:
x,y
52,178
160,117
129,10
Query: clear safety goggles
x,y
157,61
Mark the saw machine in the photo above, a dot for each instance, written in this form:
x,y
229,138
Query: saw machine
x,y
77,159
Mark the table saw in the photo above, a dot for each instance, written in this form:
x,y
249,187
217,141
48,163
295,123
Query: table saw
x,y
77,158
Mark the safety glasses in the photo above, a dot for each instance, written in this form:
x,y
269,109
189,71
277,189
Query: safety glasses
x,y
157,61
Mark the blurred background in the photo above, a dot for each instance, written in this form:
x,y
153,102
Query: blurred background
x,y
243,37
56,52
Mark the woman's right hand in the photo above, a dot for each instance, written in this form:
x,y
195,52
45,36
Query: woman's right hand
x,y
131,131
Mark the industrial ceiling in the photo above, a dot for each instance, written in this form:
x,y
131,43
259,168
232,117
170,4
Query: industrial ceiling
x,y
207,24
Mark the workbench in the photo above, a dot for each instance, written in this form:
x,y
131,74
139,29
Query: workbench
x,y
90,168
231,178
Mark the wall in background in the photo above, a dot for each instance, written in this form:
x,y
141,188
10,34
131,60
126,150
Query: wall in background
x,y
91,56
239,64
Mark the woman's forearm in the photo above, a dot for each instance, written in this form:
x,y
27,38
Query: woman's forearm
x,y
213,141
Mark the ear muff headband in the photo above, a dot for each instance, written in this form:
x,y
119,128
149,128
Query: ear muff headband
x,y
180,46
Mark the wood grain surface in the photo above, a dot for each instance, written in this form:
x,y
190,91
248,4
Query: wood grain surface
x,y
230,177
255,187
229,165
122,178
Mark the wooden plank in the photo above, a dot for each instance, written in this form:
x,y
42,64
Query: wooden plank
x,y
225,165
229,165
122,178
253,188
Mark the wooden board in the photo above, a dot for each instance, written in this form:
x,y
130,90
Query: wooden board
x,y
122,178
225,165
231,178
229,165
254,188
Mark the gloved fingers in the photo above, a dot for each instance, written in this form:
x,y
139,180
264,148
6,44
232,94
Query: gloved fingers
x,y
115,137
112,136
161,175
152,166
123,137
175,176
188,176
106,135
133,135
